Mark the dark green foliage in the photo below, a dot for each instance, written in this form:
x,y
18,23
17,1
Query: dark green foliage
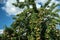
x,y
33,23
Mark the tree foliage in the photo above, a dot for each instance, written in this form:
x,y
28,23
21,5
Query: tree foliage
x,y
33,23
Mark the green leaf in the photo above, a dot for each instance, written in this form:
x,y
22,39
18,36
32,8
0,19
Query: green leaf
x,y
46,4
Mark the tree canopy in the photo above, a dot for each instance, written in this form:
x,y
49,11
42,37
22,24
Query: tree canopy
x,y
33,23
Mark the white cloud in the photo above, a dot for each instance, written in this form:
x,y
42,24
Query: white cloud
x,y
54,1
38,6
10,9
43,1
1,31
21,0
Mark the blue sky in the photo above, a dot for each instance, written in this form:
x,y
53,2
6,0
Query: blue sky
x,y
4,19
7,10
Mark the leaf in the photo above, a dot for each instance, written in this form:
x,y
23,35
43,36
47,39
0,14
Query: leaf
x,y
57,10
46,4
53,6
